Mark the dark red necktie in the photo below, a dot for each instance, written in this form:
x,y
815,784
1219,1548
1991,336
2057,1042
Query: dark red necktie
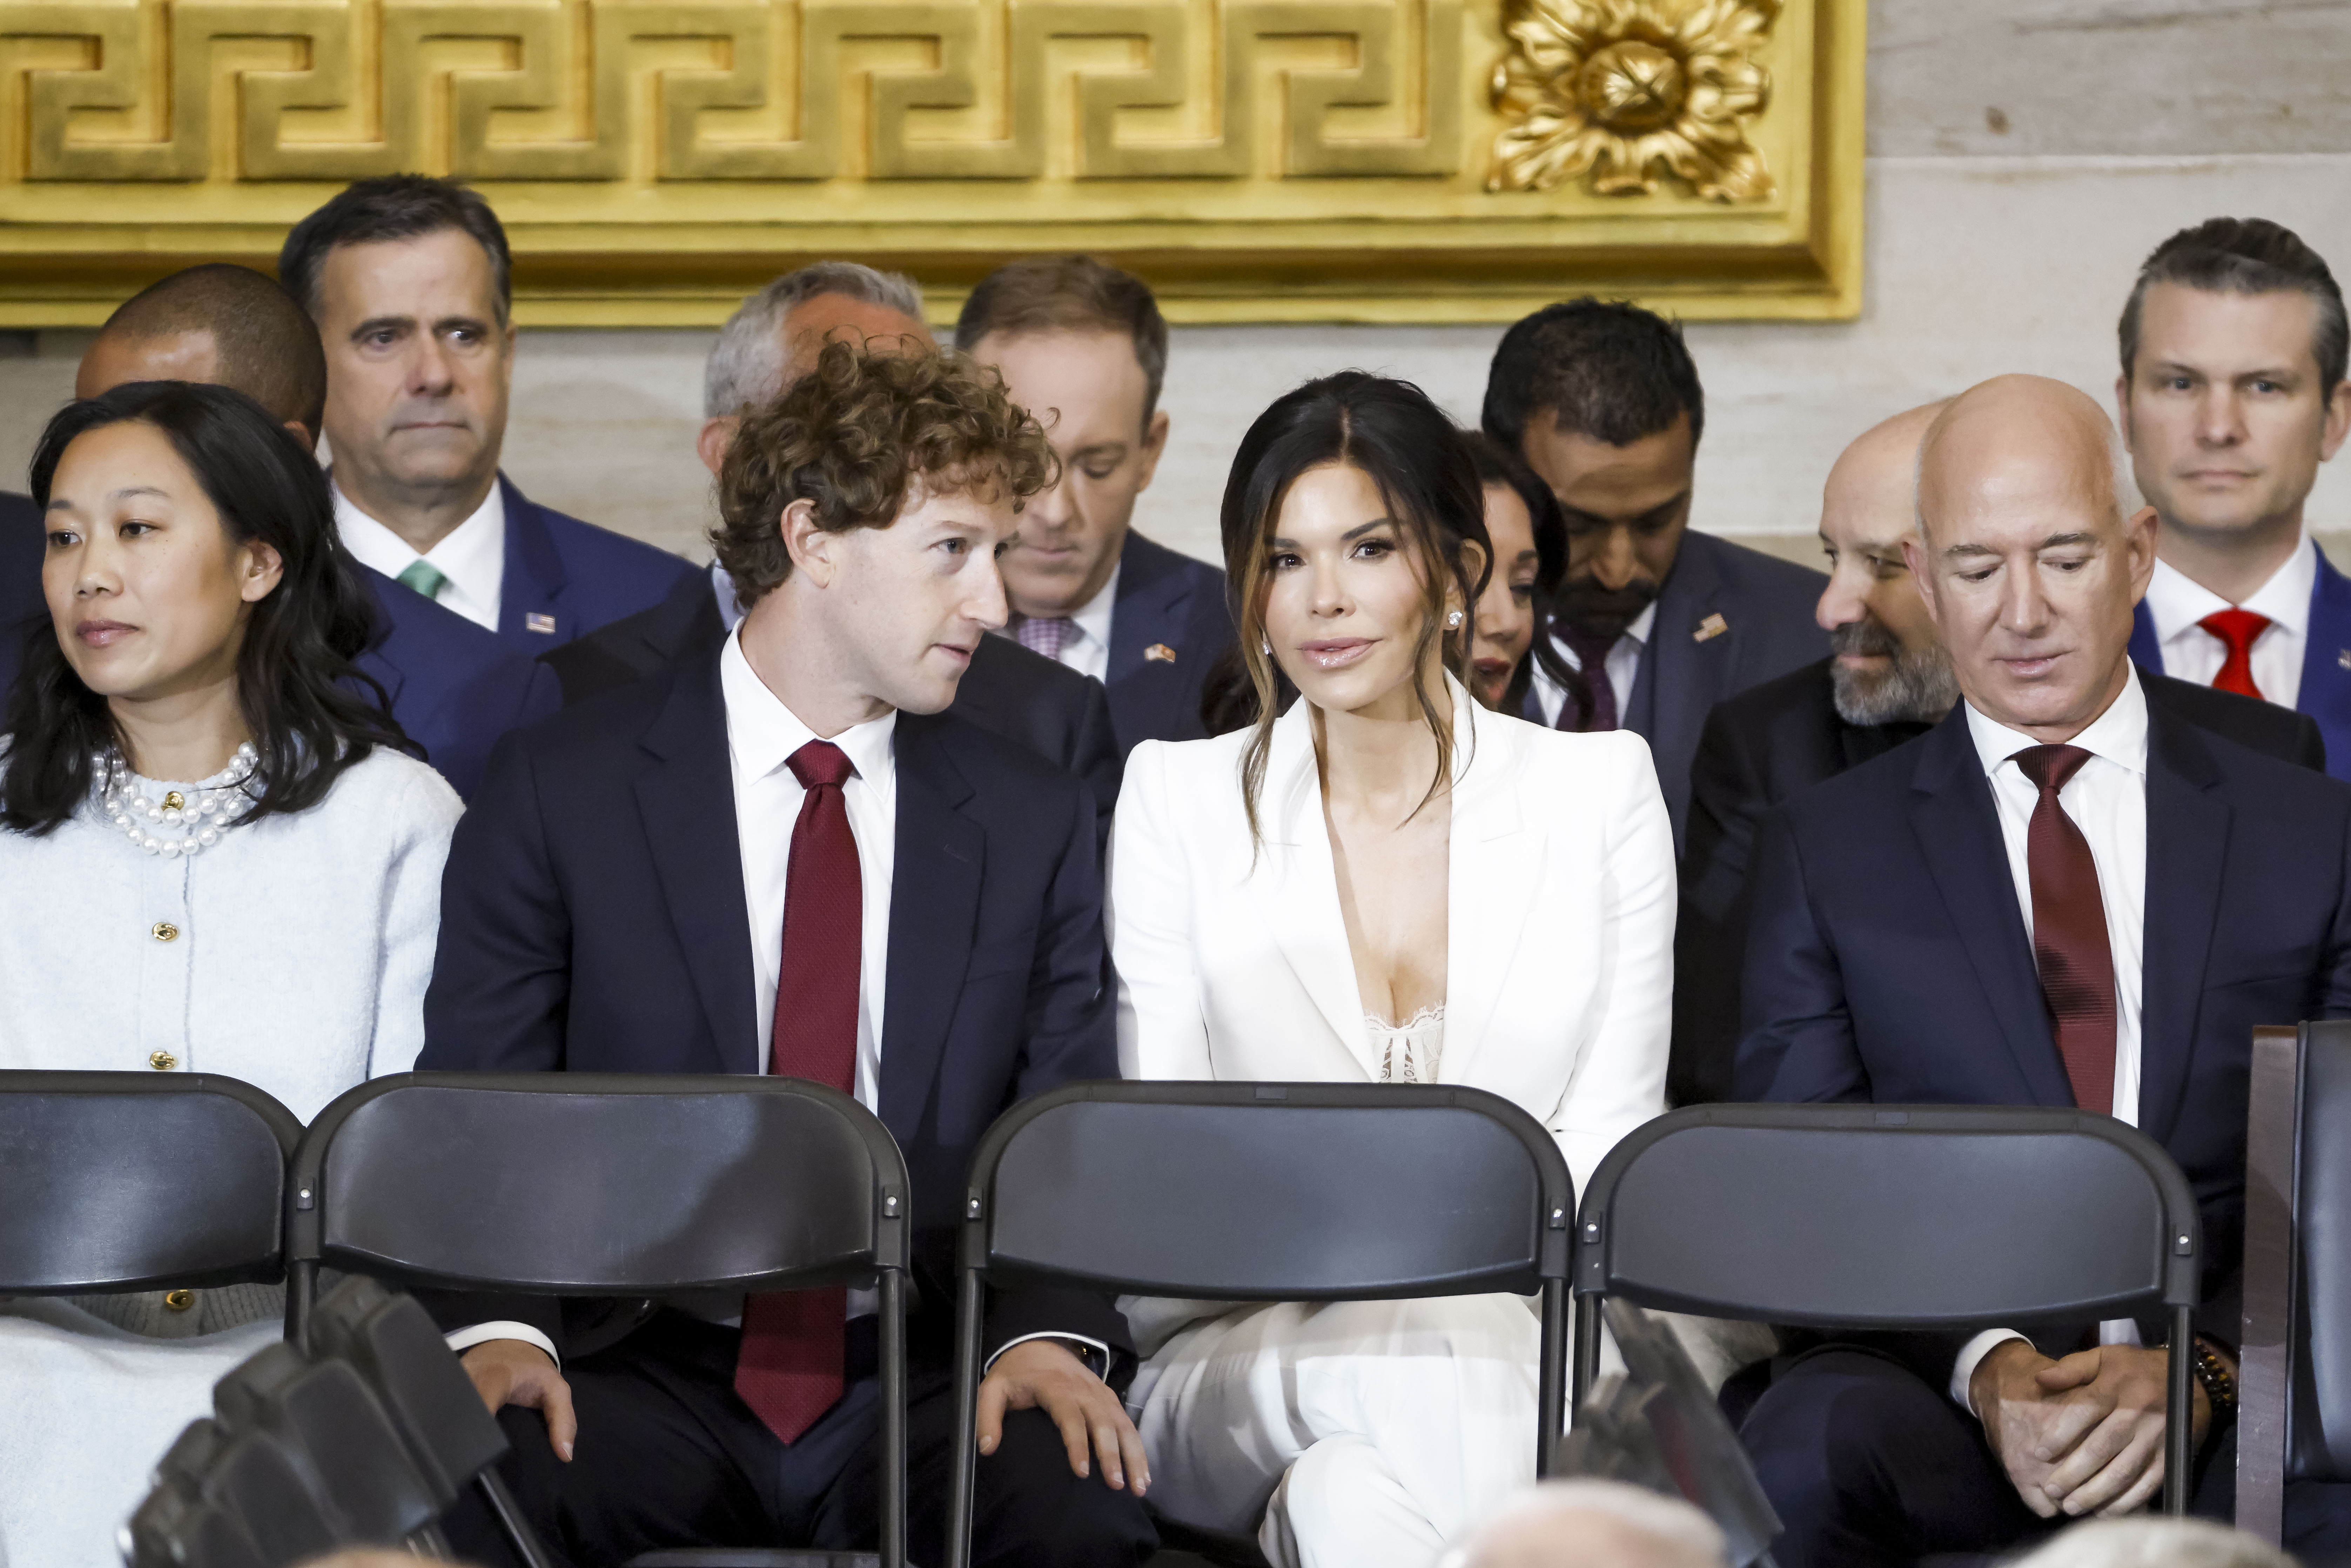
x,y
1592,653
2069,931
2236,628
789,1368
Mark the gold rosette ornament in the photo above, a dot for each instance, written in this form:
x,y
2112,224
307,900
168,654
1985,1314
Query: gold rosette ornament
x,y
1622,89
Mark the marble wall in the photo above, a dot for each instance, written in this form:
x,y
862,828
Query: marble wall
x,y
2024,155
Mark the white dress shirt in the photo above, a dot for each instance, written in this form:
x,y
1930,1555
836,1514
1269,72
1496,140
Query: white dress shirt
x,y
472,556
1622,664
2176,602
2107,801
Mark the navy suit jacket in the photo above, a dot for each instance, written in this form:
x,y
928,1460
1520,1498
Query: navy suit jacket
x,y
2326,694
1693,660
1887,960
565,578
454,687
1167,604
593,918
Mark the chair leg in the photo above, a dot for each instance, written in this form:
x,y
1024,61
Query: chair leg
x,y
893,1419
1551,1394
966,1442
508,1513
1587,1348
2178,1432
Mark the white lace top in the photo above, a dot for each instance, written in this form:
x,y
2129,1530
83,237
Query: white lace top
x,y
1408,1050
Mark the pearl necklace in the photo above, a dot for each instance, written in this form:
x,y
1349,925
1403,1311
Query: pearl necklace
x,y
218,802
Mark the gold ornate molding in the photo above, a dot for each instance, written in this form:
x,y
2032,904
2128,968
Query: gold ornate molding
x,y
1259,160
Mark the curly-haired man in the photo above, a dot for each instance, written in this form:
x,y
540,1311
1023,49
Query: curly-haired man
x,y
924,913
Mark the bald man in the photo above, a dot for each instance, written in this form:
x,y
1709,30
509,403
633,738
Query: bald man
x,y
1893,957
453,686
1886,681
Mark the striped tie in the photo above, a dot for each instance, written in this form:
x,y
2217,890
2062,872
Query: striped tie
x,y
1046,634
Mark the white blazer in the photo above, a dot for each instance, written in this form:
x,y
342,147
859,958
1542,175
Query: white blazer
x,y
1233,960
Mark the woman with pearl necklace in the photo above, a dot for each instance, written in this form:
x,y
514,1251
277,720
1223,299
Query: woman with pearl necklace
x,y
219,857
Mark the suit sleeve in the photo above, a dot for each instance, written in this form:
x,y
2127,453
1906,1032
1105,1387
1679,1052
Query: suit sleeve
x,y
1162,1033
1094,758
1709,939
412,914
1799,1042
502,974
1071,1035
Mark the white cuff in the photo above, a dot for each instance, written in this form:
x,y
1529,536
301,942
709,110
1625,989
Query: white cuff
x,y
465,1340
1972,1354
1092,1345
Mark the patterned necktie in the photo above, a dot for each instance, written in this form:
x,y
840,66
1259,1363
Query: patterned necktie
x,y
1046,634
789,1368
2069,931
424,577
2237,629
1592,653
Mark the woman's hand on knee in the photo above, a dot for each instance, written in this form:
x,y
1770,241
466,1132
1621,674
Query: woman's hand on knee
x,y
1039,1374
514,1372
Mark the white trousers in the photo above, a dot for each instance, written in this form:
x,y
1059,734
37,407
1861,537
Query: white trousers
x,y
1369,1434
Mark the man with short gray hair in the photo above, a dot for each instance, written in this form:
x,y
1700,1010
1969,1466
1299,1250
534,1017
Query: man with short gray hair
x,y
1587,1524
765,345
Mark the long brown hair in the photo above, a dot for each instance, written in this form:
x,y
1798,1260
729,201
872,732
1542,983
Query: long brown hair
x,y
1404,444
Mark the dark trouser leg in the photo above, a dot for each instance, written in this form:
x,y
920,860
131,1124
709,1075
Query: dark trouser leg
x,y
1866,1465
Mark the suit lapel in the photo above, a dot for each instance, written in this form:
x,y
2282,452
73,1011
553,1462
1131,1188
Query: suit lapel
x,y
535,580
1496,868
2186,851
1958,828
1296,885
940,857
687,804
1683,667
2326,694
1148,611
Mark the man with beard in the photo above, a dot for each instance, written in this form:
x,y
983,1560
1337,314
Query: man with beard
x,y
1601,399
1886,682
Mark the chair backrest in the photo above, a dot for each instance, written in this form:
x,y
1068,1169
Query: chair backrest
x,y
1889,1216
2318,1416
593,1183
1273,1192
130,1181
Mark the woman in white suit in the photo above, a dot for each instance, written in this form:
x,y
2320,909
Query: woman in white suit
x,y
1387,884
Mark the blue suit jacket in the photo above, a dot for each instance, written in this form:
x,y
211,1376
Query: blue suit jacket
x,y
592,919
1174,604
1887,961
2326,694
454,687
1693,661
564,576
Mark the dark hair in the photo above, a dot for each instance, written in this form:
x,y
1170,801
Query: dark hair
x,y
1404,444
1065,293
299,639
854,436
1501,466
267,344
394,206
2246,256
1604,368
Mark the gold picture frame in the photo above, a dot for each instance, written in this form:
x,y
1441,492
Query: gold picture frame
x,y
653,160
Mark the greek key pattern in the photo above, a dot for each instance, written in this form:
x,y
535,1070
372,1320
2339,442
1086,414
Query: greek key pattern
x,y
792,91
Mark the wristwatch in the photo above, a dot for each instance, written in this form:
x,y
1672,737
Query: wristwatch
x,y
2220,1383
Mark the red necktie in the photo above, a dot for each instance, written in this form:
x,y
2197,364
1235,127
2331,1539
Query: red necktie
x,y
2069,931
1591,653
789,1368
2237,628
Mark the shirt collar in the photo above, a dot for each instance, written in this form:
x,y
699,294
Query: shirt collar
x,y
722,583
1643,625
762,732
472,555
2175,602
1092,617
2117,735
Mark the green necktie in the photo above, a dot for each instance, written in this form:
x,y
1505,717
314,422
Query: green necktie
x,y
424,578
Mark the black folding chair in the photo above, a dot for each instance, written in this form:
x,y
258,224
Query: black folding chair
x,y
604,1184
2293,1394
1894,1216
1273,1192
114,1182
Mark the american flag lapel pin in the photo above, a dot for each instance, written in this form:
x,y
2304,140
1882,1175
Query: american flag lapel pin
x,y
535,622
2344,658
1713,626
1167,655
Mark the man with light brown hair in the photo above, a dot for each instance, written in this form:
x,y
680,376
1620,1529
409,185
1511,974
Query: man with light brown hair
x,y
1082,345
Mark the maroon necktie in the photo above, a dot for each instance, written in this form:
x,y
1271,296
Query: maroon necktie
x,y
2237,629
2069,931
789,1368
1592,653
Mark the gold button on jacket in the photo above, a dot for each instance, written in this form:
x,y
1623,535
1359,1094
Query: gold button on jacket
x,y
163,1062
164,931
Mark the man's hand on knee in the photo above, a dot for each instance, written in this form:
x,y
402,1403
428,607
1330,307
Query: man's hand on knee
x,y
2084,1435
511,1372
1039,1374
